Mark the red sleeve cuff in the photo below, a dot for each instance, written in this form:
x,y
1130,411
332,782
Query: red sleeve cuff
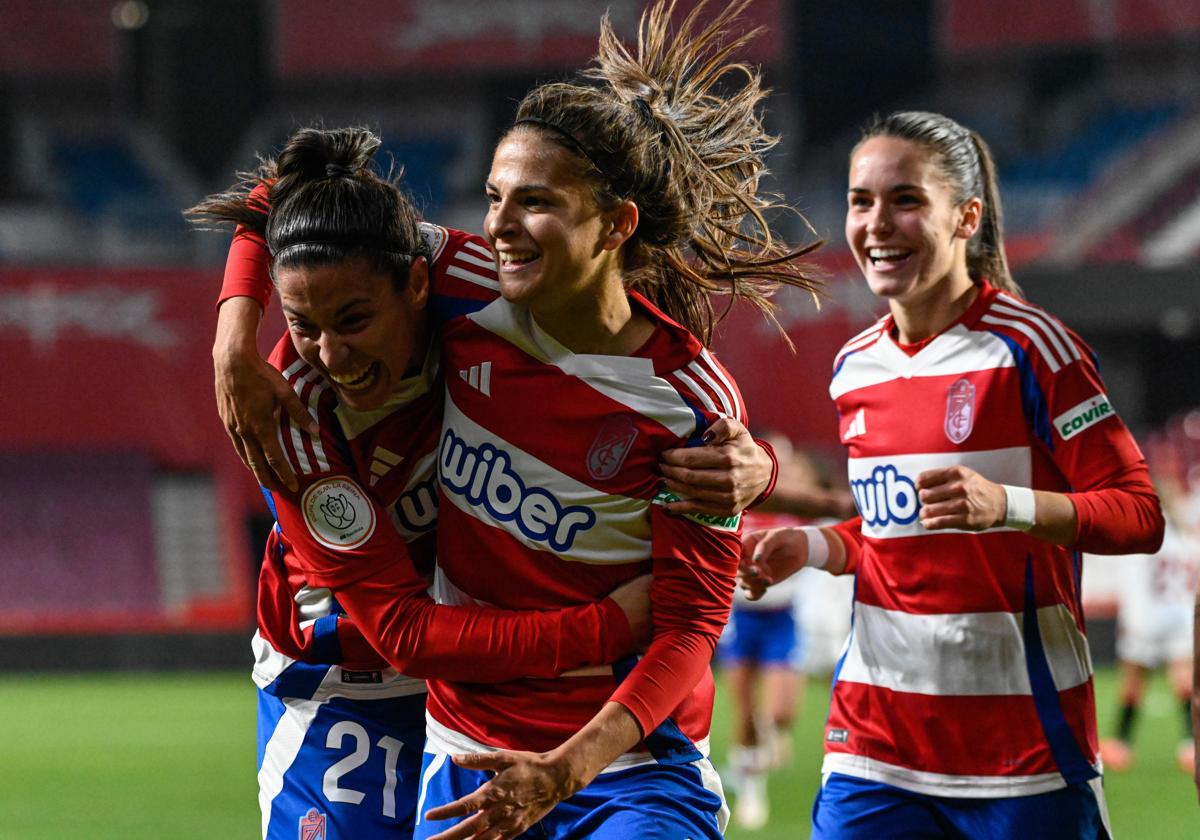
x,y
766,494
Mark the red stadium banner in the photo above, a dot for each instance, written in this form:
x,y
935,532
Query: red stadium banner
x,y
74,39
109,416
984,26
366,38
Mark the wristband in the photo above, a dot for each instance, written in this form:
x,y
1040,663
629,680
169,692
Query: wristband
x,y
1022,508
818,547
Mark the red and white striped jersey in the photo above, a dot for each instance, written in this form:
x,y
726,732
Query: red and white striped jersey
x,y
968,672
551,497
361,523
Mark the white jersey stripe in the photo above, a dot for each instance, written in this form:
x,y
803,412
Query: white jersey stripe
x,y
479,249
281,750
727,407
1028,332
471,259
294,368
1063,356
969,654
297,434
472,277
739,409
1051,322
694,386
859,341
318,448
939,784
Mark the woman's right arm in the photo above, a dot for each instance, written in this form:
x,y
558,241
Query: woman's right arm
x,y
775,554
250,393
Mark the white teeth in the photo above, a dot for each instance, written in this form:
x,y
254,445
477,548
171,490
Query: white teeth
x,y
356,380
886,253
516,256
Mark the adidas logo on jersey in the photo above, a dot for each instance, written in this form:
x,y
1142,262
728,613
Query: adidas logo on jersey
x,y
857,427
382,461
478,377
886,497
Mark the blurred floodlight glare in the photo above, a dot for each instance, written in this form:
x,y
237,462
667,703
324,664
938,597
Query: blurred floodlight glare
x,y
130,14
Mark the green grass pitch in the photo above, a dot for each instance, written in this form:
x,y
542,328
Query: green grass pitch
x,y
172,756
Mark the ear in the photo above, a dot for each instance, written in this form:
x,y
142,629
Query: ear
x,y
417,289
971,214
624,221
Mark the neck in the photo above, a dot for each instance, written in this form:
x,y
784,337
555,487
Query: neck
x,y
917,320
603,323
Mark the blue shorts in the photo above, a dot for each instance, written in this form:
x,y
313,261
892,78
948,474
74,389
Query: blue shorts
x,y
339,768
764,637
848,808
648,802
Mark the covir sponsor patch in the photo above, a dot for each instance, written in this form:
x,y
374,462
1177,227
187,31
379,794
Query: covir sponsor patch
x,y
338,513
1087,413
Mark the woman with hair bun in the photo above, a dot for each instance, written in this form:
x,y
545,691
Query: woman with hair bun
x,y
984,457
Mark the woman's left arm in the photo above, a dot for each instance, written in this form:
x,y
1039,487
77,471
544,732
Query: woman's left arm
x,y
1112,507
729,473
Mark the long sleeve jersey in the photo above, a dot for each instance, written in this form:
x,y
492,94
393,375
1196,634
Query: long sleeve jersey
x,y
968,672
361,523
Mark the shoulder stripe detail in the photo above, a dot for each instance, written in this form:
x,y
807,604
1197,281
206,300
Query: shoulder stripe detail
x,y
859,341
311,381
739,408
472,277
294,368
1063,349
472,259
1049,321
694,388
1029,332
481,250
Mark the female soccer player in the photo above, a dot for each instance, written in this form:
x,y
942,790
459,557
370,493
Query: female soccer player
x,y
616,205
340,730
984,457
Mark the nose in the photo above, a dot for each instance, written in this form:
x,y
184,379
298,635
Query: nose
x,y
500,220
879,220
332,349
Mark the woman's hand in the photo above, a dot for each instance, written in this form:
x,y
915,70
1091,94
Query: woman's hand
x,y
250,394
525,788
958,497
633,597
720,478
770,556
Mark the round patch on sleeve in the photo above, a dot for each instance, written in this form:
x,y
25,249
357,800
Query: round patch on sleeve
x,y
338,513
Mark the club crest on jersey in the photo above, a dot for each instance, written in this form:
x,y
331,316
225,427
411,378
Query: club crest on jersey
x,y
960,410
613,442
312,825
486,478
338,513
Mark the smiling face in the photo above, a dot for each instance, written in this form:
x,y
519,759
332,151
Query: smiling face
x,y
351,323
553,244
907,234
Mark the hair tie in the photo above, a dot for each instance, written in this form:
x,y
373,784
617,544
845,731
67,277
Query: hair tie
x,y
337,170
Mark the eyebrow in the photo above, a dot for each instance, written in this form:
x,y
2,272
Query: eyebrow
x,y
522,188
341,310
896,188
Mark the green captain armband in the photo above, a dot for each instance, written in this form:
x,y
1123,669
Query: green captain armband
x,y
708,520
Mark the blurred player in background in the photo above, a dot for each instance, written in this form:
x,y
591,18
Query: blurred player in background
x,y
1154,630
763,649
984,457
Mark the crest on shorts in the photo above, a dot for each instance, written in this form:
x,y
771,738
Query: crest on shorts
x,y
960,410
312,825
613,442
